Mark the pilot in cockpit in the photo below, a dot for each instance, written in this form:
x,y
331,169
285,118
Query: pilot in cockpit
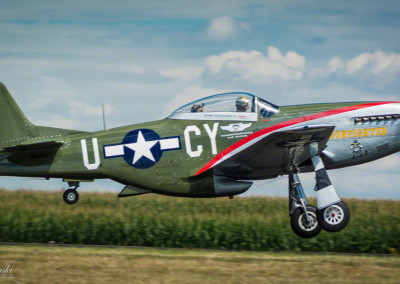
x,y
197,108
242,104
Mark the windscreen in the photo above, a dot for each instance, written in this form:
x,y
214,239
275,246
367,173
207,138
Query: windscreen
x,y
266,109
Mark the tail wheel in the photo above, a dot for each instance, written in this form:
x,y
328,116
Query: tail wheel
x,y
71,196
334,218
303,227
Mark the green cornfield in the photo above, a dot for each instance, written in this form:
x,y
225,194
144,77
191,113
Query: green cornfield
x,y
243,223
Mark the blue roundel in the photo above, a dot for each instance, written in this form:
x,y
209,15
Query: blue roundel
x,y
142,148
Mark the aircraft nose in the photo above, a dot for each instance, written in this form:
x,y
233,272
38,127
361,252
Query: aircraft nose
x,y
398,107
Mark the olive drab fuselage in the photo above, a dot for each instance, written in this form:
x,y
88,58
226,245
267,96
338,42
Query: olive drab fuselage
x,y
212,147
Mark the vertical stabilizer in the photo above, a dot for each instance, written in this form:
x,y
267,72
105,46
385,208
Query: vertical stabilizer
x,y
14,126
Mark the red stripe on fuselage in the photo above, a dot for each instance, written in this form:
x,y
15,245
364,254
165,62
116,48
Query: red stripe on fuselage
x,y
291,122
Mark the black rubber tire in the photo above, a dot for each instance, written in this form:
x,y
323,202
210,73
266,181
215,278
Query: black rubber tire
x,y
300,227
334,218
71,196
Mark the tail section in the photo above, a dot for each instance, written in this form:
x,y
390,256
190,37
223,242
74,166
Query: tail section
x,y
16,129
14,126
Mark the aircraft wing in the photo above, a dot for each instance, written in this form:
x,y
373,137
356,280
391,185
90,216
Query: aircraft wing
x,y
278,150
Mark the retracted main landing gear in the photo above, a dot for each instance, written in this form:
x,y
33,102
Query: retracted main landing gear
x,y
332,214
71,195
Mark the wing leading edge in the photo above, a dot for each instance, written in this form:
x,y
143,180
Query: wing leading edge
x,y
276,153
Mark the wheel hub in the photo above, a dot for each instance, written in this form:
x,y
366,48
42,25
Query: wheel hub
x,y
333,215
71,196
308,224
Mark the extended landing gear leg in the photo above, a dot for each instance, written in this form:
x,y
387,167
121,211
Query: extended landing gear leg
x,y
303,216
333,214
71,196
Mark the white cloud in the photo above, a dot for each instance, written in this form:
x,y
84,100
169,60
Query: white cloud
x,y
252,66
335,64
357,63
382,62
224,28
221,28
376,67
258,68
367,63
217,62
292,59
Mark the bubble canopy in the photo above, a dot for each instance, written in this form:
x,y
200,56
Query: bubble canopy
x,y
235,106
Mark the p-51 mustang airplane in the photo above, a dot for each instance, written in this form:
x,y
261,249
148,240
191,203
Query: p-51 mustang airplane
x,y
212,147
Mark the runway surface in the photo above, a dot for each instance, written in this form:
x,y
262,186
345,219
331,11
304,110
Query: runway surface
x,y
62,263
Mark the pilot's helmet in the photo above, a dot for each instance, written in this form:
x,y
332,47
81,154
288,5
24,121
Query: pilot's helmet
x,y
242,102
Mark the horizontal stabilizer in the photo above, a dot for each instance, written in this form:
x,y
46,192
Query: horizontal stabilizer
x,y
35,154
131,190
4,156
33,146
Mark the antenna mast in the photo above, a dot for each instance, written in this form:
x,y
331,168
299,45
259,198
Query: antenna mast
x,y
104,117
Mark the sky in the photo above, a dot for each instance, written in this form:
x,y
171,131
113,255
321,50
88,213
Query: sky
x,y
62,59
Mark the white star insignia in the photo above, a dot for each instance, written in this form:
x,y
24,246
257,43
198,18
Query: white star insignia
x,y
142,148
